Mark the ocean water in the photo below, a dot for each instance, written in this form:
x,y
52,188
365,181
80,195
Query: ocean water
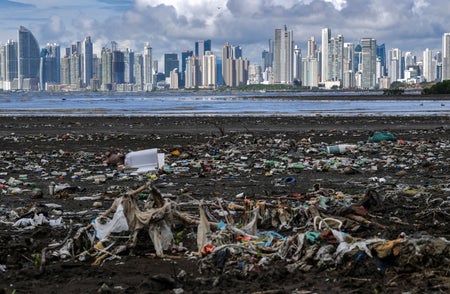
x,y
211,104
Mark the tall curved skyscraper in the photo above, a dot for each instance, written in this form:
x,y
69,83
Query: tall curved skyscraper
x,y
28,55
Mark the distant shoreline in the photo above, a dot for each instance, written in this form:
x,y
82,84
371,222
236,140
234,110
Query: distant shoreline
x,y
269,94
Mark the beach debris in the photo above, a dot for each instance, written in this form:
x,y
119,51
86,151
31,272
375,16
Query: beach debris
x,y
143,161
372,219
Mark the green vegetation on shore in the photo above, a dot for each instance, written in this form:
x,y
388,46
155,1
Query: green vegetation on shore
x,y
438,88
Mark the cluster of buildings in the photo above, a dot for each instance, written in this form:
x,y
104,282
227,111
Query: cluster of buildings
x,y
334,64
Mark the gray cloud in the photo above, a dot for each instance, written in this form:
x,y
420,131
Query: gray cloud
x,y
172,26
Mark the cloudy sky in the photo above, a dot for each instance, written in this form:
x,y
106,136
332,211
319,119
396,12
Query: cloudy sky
x,y
175,25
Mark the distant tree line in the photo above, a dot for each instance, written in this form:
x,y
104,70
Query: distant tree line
x,y
438,88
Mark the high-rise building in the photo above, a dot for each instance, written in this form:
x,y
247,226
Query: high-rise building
x,y
234,70
326,36
75,70
236,52
106,60
174,79
201,46
312,47
128,60
446,56
184,55
11,61
118,67
65,70
193,76
310,72
228,66
242,66
395,64
283,54
87,60
349,74
170,63
28,56
209,74
297,64
2,65
381,53
138,70
357,59
254,74
369,57
148,68
429,66
49,71
335,68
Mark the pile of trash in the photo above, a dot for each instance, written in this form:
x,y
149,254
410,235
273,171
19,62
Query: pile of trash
x,y
384,224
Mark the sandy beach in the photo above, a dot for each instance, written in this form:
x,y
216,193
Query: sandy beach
x,y
282,161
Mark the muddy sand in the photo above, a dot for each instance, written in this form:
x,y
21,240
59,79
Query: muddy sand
x,y
389,198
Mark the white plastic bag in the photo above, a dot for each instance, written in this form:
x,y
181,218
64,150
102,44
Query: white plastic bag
x,y
104,226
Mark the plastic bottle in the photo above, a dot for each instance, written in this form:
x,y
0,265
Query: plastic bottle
x,y
341,148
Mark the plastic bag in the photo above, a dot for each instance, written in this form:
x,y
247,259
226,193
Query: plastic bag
x,y
161,236
202,230
104,226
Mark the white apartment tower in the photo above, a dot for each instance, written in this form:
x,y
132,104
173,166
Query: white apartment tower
x,y
348,58
283,51
209,74
312,47
395,64
335,67
446,57
429,66
310,72
326,36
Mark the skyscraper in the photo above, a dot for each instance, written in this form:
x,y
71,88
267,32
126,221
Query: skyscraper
x,y
65,70
349,74
49,71
138,70
335,67
236,52
446,56
107,78
369,57
283,54
118,67
170,63
429,66
184,55
326,35
357,58
209,75
11,60
395,64
312,47
193,76
201,46
75,70
87,60
148,68
381,53
228,66
128,60
297,75
28,56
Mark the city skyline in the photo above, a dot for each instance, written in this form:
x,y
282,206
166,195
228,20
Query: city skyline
x,y
176,26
